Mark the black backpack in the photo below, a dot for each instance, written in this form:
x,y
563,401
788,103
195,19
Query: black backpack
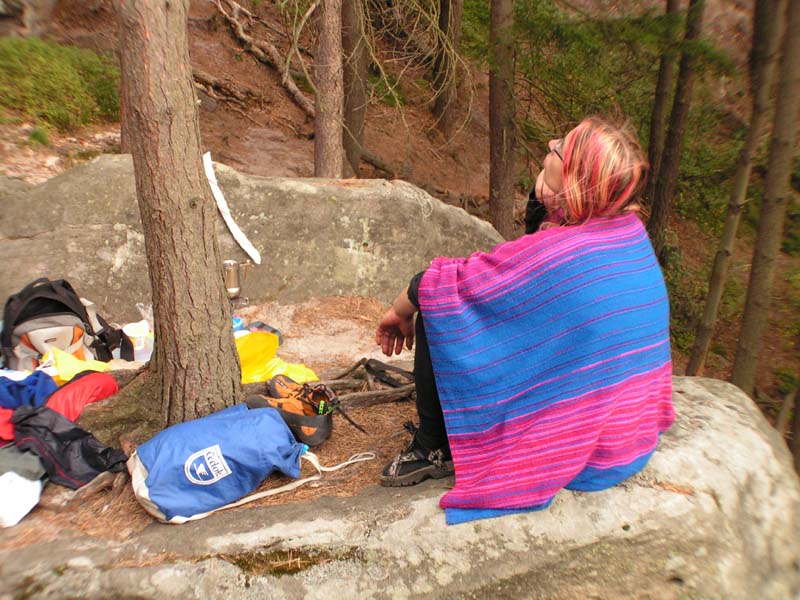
x,y
49,314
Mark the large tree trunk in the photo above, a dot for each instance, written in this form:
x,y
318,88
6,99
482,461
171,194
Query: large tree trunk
x,y
501,118
762,76
445,66
328,154
195,359
355,82
773,207
668,171
666,75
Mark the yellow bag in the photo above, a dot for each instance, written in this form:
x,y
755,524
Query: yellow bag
x,y
63,366
257,355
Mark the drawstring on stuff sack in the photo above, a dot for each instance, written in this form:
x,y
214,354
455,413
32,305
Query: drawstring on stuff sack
x,y
309,456
314,460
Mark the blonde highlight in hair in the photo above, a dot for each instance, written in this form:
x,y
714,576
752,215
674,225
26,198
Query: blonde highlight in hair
x,y
604,169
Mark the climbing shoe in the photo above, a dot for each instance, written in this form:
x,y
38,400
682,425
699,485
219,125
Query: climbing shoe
x,y
302,417
415,464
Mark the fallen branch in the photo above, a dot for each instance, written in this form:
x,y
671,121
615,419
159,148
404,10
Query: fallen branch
x,y
227,88
349,369
373,159
371,398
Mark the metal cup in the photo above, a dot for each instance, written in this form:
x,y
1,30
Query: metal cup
x,y
234,274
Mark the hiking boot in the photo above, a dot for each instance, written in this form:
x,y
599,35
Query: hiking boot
x,y
415,464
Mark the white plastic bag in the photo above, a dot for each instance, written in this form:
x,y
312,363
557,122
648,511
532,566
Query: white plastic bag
x,y
18,496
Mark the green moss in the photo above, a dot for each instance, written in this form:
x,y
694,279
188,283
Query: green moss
x,y
61,85
40,135
286,562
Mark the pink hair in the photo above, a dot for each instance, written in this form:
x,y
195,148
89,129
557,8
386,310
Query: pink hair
x,y
604,169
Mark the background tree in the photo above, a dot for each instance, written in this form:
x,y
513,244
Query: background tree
x,y
328,153
773,207
666,76
355,62
445,66
194,361
501,117
766,42
668,170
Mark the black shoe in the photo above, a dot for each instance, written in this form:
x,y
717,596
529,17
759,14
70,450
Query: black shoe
x,y
415,464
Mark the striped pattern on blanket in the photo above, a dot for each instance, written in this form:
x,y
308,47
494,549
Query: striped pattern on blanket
x,y
552,361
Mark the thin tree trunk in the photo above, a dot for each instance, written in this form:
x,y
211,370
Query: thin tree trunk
x,y
763,75
328,154
355,82
445,66
668,171
773,207
195,359
501,118
666,75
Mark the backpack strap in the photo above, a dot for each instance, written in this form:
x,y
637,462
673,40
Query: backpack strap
x,y
107,337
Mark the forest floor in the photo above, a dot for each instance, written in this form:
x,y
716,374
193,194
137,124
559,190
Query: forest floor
x,y
271,136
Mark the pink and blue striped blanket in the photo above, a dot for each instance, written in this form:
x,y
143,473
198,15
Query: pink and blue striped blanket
x,y
552,361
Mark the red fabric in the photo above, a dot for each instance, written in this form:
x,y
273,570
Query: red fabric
x,y
6,428
70,398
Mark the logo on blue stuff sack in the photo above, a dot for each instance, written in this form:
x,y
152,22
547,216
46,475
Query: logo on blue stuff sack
x,y
206,466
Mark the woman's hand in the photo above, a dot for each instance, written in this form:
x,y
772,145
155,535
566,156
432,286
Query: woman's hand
x,y
394,330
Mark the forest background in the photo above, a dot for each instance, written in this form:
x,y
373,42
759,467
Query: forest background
x,y
59,97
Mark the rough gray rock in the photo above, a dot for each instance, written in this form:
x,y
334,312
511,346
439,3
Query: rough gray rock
x,y
716,514
316,237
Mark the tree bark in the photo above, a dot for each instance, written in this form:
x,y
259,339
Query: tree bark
x,y
194,360
445,65
773,207
668,171
328,153
763,75
666,75
501,117
355,82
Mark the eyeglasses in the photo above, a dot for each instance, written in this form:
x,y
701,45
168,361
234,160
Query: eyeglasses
x,y
558,149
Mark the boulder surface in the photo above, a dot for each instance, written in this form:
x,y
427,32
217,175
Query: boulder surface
x,y
316,237
714,515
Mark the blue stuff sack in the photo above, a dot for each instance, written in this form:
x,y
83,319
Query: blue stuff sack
x,y
192,469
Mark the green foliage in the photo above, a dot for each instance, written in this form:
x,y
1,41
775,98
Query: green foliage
x,y
386,89
40,135
570,65
63,86
791,234
787,380
793,331
708,164
687,291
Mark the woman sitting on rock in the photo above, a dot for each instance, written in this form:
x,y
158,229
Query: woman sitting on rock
x,y
545,363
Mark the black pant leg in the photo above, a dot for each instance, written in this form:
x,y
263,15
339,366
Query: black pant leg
x,y
432,433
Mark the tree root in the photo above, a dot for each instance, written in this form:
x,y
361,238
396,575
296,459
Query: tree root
x,y
265,53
